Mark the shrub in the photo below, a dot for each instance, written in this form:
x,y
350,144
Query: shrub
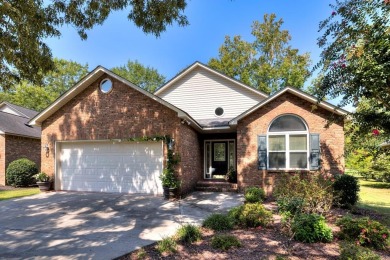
x,y
234,214
167,244
291,205
364,231
254,194
225,242
20,172
346,189
251,215
310,228
189,233
218,222
352,251
141,254
381,167
314,189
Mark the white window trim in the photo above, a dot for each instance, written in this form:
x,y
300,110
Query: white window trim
x,y
288,151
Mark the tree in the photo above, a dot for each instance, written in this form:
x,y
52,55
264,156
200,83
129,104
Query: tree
x,y
355,61
145,77
269,63
55,83
24,25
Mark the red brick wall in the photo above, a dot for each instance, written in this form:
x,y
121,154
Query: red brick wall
x,y
191,158
17,147
257,123
2,160
119,114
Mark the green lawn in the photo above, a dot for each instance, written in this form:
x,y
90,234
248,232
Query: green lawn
x,y
375,196
11,194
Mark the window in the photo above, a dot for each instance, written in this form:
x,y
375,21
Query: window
x,y
106,85
288,143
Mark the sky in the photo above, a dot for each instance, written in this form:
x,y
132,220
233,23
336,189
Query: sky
x,y
119,40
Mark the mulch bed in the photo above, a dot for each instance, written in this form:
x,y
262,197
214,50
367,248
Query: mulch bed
x,y
257,243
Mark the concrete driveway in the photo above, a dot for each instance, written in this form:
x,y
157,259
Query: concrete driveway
x,y
76,225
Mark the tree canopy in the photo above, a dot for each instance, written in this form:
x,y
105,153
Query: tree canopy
x,y
54,83
145,77
24,26
355,61
268,63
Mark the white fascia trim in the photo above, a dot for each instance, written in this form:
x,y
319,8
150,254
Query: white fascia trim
x,y
146,93
212,71
5,103
101,70
33,121
185,116
175,79
314,100
217,128
298,93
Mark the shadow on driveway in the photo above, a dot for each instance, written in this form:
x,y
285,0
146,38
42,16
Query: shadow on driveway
x,y
96,225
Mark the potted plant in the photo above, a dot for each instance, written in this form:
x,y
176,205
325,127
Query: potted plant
x,y
231,176
170,183
43,181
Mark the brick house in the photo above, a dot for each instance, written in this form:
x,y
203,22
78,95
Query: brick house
x,y
104,134
17,139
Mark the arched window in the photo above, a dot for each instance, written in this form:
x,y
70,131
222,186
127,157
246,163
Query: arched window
x,y
288,144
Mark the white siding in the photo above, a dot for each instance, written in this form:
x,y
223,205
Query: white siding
x,y
9,110
200,92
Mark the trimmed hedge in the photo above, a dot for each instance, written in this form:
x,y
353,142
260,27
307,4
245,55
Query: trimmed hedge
x,y
20,172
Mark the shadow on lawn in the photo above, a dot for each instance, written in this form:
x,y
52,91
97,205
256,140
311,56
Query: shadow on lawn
x,y
376,185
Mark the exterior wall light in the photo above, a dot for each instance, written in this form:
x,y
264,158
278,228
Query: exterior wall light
x,y
171,144
46,148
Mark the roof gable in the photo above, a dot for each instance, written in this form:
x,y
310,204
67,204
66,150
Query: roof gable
x,y
296,92
7,107
87,81
198,64
199,91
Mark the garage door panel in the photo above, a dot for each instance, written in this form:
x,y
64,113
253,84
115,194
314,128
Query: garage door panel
x,y
107,167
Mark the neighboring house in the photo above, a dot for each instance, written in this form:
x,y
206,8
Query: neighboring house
x,y
216,122
385,144
17,138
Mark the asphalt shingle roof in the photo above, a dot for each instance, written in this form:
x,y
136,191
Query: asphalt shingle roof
x,y
28,112
17,125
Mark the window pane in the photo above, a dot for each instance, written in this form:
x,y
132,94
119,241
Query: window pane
x,y
298,160
277,143
219,152
298,142
277,160
231,155
287,123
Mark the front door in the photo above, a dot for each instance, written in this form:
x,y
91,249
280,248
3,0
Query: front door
x,y
219,160
219,157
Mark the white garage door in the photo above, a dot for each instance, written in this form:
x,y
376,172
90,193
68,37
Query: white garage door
x,y
110,167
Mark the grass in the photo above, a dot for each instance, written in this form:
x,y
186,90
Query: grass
x,y
375,196
167,245
17,193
